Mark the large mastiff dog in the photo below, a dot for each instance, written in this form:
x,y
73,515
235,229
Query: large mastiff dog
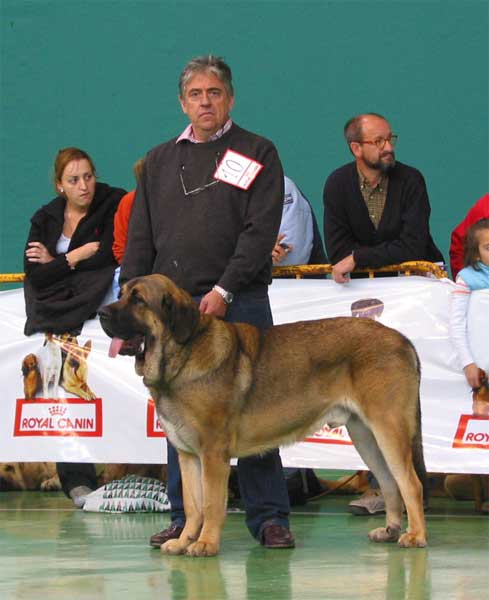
x,y
227,390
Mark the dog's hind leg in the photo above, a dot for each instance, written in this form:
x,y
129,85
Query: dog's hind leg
x,y
397,448
190,468
368,449
215,476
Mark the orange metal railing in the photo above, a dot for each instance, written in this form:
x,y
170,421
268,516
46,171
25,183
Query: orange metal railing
x,y
416,267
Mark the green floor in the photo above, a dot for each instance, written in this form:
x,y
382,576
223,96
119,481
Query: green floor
x,y
50,551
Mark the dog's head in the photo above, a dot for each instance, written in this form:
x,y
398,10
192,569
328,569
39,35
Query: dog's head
x,y
150,307
76,355
22,476
48,337
480,396
11,477
67,341
29,364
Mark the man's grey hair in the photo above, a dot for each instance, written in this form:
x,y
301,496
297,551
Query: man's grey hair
x,y
208,63
353,127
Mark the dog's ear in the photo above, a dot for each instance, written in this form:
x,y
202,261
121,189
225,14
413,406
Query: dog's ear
x,y
28,362
87,348
25,368
180,316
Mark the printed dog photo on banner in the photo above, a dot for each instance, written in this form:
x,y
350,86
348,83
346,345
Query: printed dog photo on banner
x,y
61,361
55,382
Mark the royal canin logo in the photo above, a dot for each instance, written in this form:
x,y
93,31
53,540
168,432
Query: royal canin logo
x,y
153,425
70,416
472,432
331,435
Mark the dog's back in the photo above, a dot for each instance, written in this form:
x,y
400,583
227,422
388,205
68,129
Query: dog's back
x,y
342,363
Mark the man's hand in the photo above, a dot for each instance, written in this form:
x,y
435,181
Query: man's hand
x,y
342,269
213,304
280,252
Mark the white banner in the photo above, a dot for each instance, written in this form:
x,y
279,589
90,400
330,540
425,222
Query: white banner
x,y
119,423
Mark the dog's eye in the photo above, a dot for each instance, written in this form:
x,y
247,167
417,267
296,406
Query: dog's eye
x,y
136,298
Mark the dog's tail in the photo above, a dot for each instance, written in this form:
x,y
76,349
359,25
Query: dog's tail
x,y
417,446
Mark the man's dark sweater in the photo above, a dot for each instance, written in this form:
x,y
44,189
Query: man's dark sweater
x,y
222,235
403,233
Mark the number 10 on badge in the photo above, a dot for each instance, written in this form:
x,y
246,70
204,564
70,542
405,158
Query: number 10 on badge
x,y
238,170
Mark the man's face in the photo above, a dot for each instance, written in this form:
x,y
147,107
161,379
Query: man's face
x,y
368,154
207,104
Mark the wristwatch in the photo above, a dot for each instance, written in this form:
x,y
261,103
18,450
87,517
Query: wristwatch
x,y
226,296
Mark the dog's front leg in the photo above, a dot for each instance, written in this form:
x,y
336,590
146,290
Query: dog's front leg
x,y
192,502
215,476
45,385
55,385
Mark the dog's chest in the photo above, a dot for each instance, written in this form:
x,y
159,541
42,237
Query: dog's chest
x,y
178,432
50,358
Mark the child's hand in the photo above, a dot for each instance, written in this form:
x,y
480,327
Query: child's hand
x,y
473,375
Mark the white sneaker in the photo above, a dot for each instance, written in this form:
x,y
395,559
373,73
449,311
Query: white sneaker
x,y
370,503
79,495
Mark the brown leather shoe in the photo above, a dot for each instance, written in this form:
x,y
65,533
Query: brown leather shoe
x,y
277,536
170,533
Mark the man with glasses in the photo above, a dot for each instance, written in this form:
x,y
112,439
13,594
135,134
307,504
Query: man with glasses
x,y
376,210
376,213
207,214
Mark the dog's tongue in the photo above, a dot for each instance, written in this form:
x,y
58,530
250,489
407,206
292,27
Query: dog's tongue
x,y
115,346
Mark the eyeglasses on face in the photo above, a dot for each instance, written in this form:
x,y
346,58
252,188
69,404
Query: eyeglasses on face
x,y
381,142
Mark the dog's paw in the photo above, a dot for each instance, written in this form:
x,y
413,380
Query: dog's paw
x,y
173,547
385,534
51,485
411,540
202,549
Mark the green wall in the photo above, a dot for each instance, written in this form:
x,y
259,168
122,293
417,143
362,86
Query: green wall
x,y
103,74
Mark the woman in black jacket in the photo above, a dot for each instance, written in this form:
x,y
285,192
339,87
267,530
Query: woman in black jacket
x,y
69,268
68,261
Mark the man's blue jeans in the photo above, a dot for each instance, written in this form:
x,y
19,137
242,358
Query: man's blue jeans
x,y
261,480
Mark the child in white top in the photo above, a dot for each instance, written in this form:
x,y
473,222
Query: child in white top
x,y
474,276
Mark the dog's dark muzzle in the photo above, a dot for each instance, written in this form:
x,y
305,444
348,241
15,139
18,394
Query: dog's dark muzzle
x,y
114,325
105,316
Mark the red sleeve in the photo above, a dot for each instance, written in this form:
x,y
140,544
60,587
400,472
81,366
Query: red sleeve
x,y
480,210
121,223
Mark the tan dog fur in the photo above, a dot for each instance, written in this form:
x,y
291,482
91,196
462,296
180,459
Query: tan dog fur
x,y
31,376
29,476
224,390
480,397
75,368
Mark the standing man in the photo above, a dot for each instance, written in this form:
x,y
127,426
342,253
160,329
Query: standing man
x,y
376,210
376,213
207,214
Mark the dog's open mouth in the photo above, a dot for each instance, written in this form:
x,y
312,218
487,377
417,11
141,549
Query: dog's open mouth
x,y
135,346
